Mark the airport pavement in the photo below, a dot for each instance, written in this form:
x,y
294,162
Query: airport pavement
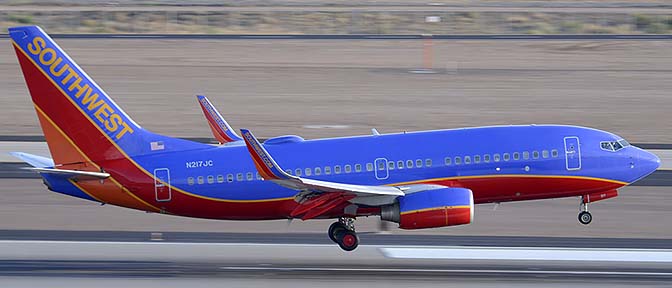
x,y
325,88
71,262
517,37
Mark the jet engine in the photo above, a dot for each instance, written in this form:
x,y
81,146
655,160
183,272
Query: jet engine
x,y
431,208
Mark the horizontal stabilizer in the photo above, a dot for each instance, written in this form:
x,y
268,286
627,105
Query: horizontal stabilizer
x,y
34,160
73,173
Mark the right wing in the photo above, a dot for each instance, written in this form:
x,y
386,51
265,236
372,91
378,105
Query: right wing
x,y
270,170
220,129
316,197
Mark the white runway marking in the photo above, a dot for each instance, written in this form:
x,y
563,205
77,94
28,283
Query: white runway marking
x,y
530,254
430,270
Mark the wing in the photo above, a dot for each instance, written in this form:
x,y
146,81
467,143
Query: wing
x,y
270,170
317,197
220,129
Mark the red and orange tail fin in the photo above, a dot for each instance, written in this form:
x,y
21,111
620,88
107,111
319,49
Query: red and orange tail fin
x,y
80,121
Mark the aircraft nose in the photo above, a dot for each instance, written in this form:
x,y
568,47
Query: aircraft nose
x,y
648,162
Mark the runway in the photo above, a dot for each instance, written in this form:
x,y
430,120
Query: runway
x,y
109,262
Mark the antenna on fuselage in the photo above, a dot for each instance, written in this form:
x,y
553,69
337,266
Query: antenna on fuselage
x,y
374,132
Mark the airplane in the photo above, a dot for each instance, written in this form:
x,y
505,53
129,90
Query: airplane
x,y
420,180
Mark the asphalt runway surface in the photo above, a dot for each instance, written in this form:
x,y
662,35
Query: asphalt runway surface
x,y
111,261
328,88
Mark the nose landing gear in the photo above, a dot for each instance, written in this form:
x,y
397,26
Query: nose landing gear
x,y
584,215
343,233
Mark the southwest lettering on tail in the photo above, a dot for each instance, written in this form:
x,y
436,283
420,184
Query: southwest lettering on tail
x,y
87,98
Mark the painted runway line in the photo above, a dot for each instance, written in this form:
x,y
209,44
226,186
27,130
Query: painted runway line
x,y
531,254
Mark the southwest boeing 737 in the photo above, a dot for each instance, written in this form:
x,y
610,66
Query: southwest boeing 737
x,y
420,180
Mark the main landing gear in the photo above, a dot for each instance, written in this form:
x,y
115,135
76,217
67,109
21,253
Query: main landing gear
x,y
584,216
343,233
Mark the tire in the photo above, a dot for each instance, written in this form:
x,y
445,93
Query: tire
x,y
348,240
334,229
585,218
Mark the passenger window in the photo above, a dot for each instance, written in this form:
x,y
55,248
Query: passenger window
x,y
309,172
327,170
369,166
220,178
554,153
486,158
337,169
477,158
428,162
409,163
535,154
190,180
258,176
447,161
229,178
200,180
358,167
239,176
418,163
390,165
297,171
495,157
381,165
516,156
400,164
347,168
544,153
467,160
458,160
507,157
526,155
318,171
289,171
250,176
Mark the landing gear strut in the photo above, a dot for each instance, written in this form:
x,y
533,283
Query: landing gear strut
x,y
584,216
343,233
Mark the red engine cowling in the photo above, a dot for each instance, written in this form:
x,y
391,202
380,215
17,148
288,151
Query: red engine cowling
x,y
432,208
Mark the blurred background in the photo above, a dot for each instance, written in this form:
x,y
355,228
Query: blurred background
x,y
320,68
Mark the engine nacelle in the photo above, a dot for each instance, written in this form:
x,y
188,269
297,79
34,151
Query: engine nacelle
x,y
432,208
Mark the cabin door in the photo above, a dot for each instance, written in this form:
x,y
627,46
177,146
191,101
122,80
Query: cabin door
x,y
380,169
162,184
572,153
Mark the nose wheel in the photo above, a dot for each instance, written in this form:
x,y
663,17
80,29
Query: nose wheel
x,y
584,216
343,233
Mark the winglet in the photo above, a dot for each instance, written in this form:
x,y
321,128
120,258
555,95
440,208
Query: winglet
x,y
220,129
266,166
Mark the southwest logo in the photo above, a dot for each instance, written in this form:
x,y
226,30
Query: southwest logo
x,y
87,98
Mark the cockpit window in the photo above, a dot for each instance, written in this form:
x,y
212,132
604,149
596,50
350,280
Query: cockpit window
x,y
614,146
